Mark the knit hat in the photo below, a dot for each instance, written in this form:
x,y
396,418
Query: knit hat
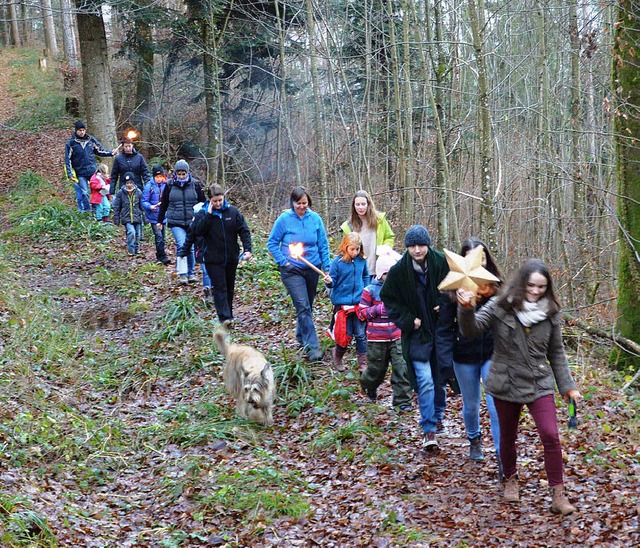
x,y
417,235
80,125
128,176
181,165
157,170
384,263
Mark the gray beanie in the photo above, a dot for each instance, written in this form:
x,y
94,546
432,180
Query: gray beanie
x,y
417,235
181,165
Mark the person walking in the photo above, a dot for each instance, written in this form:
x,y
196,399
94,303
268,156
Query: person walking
x,y
80,164
178,198
301,225
528,359
151,200
219,225
127,210
410,295
129,161
371,224
99,185
472,359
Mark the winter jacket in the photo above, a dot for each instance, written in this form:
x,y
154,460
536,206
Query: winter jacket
x,y
289,228
80,156
407,295
152,195
178,199
348,280
372,310
127,207
467,350
219,231
384,234
124,163
96,184
525,363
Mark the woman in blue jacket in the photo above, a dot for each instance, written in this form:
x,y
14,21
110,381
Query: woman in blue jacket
x,y
301,225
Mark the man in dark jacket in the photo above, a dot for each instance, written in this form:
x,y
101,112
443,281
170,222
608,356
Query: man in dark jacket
x,y
80,162
218,225
129,161
410,295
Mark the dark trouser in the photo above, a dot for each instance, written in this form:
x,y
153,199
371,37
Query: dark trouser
x,y
543,411
379,355
158,234
302,285
223,282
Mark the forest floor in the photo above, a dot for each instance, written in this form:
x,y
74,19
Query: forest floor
x,y
115,429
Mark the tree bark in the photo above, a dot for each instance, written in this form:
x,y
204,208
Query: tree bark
x,y
15,30
49,29
69,34
96,78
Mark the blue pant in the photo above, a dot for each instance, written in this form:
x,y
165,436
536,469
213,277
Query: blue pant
x,y
158,235
469,376
206,279
302,285
426,393
82,194
180,235
134,231
357,329
102,209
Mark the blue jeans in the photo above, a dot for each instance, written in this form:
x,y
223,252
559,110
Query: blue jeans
x,y
206,280
469,376
302,284
426,393
158,235
357,329
134,231
180,235
82,194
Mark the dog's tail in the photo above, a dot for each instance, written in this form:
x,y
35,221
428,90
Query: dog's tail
x,y
220,338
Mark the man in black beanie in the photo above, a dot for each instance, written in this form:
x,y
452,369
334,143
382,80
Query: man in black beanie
x,y
410,295
80,162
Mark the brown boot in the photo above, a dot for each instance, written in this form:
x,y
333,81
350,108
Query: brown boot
x,y
337,352
559,502
106,219
511,493
362,362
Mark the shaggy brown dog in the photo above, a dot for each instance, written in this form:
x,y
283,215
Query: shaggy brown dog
x,y
248,377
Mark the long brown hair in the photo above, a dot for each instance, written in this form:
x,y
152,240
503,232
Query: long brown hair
x,y
513,297
371,216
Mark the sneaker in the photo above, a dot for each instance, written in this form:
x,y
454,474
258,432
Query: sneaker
x,y
131,253
192,279
165,261
183,279
429,442
405,407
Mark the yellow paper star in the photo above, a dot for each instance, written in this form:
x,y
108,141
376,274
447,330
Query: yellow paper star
x,y
466,272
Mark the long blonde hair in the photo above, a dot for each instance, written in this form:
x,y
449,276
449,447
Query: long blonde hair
x,y
103,169
371,216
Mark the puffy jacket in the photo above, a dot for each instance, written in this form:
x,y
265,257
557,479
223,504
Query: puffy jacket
x,y
219,232
178,200
80,156
127,207
289,228
152,195
133,163
348,280
372,310
524,364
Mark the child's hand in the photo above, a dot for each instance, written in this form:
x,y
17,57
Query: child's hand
x,y
327,279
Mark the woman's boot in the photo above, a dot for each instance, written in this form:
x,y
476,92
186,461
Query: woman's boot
x,y
362,362
337,353
511,493
475,448
559,502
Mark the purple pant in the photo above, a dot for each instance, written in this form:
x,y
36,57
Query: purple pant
x,y
543,411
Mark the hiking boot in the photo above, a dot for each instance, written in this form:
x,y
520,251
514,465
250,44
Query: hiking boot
x,y
165,261
475,448
372,395
192,279
314,355
362,362
337,353
559,502
429,442
405,407
183,279
207,292
511,493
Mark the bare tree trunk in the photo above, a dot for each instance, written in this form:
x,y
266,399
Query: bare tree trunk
x,y
69,34
15,29
317,104
142,114
485,134
96,77
49,29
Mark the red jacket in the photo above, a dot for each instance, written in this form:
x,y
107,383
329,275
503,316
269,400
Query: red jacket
x,y
96,184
